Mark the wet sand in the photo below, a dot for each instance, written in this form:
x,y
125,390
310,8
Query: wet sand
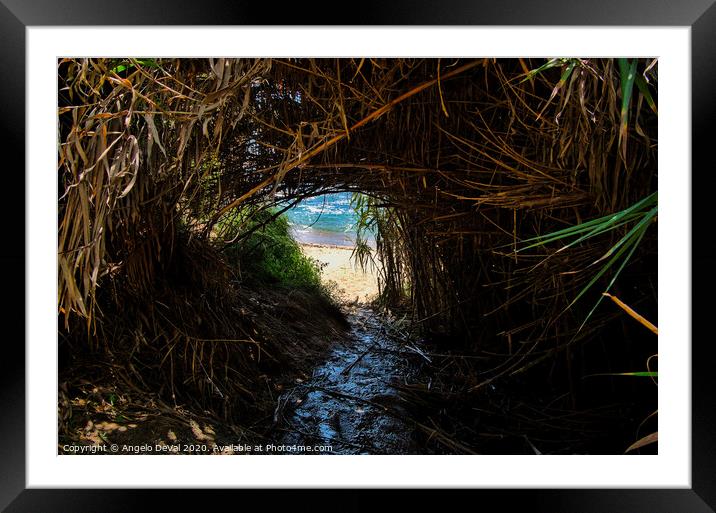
x,y
351,405
316,237
353,283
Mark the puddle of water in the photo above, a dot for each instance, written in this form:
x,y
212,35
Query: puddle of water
x,y
349,402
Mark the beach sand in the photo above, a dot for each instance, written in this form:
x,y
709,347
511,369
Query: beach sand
x,y
353,283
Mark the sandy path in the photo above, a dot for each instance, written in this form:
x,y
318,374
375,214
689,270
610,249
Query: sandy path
x,y
353,283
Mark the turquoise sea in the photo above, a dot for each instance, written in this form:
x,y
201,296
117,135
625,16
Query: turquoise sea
x,y
327,219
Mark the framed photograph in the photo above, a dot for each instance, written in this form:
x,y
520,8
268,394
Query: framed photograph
x,y
382,252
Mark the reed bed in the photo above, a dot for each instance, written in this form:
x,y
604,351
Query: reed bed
x,y
461,161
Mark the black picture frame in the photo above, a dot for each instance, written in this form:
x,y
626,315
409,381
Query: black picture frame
x,y
700,15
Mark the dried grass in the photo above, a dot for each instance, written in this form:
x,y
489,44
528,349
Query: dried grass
x,y
463,158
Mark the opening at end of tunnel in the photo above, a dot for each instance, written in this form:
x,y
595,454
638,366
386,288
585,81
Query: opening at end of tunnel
x,y
332,229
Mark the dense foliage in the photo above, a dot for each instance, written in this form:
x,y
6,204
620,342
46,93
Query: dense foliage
x,y
266,251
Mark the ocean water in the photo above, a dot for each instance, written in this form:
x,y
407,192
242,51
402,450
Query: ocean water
x,y
326,219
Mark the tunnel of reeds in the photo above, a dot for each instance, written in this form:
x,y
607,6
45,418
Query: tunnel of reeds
x,y
507,197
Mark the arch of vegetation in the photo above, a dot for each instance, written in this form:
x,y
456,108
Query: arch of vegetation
x,y
460,161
